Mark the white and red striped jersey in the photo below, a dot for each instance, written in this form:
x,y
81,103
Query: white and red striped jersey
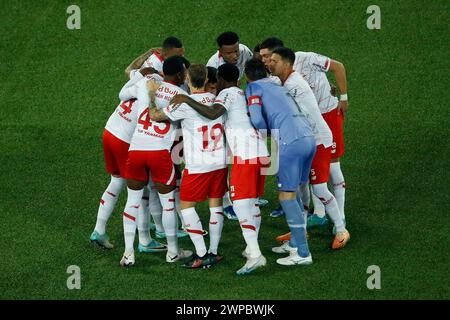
x,y
305,99
151,135
245,54
204,144
313,68
243,139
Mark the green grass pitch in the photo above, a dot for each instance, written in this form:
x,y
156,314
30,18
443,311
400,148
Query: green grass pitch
x,y
59,86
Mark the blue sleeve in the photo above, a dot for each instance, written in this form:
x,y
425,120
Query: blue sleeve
x,y
254,102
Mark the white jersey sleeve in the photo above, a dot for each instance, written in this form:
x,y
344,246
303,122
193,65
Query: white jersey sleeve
x,y
129,90
304,97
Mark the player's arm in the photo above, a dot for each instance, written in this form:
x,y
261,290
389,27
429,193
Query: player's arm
x,y
341,79
255,110
254,103
157,114
129,89
210,112
137,63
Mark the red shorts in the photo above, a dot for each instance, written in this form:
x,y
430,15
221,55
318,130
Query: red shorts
x,y
320,167
115,152
158,163
246,180
335,120
197,187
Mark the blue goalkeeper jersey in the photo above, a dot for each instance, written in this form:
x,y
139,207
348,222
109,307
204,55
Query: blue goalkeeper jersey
x,y
272,107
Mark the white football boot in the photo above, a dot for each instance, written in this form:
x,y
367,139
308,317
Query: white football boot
x,y
294,259
251,265
284,248
182,254
127,260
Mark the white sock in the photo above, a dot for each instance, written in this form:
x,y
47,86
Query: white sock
x,y
129,218
177,203
108,202
337,179
319,208
169,220
215,228
155,208
244,211
143,219
305,195
330,203
226,200
195,230
256,215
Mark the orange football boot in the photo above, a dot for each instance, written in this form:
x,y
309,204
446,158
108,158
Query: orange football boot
x,y
340,240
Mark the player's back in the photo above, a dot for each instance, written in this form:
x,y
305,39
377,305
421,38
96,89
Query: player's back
x,y
204,144
150,134
280,110
243,140
313,68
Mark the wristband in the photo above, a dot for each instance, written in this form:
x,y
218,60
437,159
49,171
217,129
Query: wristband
x,y
344,97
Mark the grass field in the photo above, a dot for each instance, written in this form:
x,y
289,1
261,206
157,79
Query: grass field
x,y
59,86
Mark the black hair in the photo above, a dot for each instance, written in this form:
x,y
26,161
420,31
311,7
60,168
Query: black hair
x,y
271,43
255,69
228,72
212,75
227,38
198,75
186,62
286,54
173,65
172,42
257,48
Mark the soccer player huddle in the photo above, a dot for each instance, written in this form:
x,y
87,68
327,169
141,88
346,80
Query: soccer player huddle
x,y
174,112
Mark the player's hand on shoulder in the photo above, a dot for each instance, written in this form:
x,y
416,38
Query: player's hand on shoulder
x,y
148,70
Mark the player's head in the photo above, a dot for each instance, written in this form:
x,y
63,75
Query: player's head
x,y
255,70
227,76
256,53
211,84
228,43
197,76
282,61
174,69
267,46
172,47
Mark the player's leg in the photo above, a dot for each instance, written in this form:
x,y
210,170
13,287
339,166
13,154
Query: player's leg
x,y
106,207
319,175
115,153
247,182
217,186
135,191
146,243
295,159
162,172
337,178
155,209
